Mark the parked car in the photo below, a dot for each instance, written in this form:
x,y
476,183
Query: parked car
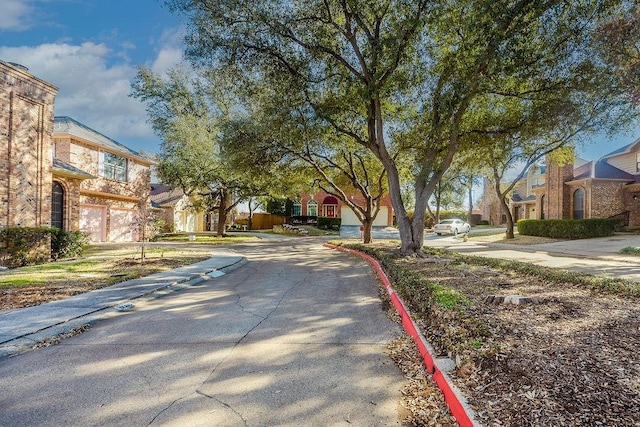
x,y
451,226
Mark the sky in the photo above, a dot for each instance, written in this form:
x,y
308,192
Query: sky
x,y
90,50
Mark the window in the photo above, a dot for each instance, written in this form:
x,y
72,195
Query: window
x,y
578,204
312,208
57,206
297,209
542,200
113,167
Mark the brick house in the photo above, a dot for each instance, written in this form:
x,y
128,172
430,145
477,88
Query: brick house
x,y
101,185
26,127
608,187
322,204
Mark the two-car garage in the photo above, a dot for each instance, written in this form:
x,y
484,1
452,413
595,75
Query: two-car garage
x,y
108,224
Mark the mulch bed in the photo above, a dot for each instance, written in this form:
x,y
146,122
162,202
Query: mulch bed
x,y
570,360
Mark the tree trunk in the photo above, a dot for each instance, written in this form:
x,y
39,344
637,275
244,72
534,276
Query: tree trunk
x,y
470,211
507,212
222,213
367,226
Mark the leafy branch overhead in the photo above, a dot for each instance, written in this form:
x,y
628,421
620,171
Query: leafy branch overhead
x,y
413,83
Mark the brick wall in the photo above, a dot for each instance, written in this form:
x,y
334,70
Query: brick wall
x,y
607,199
26,126
558,195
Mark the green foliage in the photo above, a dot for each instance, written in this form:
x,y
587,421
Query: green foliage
x,y
326,223
25,245
630,250
277,206
568,228
67,244
36,245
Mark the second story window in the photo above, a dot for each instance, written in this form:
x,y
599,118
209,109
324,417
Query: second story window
x,y
113,166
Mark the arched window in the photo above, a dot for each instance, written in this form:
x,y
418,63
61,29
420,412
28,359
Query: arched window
x,y
297,209
578,204
312,208
57,205
542,200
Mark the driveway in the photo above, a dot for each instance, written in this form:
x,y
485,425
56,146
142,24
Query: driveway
x,y
295,337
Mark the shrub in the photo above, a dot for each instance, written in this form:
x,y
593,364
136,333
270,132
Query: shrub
x,y
67,244
26,245
568,228
36,245
326,223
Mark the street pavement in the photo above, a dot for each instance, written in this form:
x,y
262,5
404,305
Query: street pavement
x,y
295,336
281,332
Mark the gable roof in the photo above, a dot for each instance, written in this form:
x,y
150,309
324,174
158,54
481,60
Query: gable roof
x,y
601,169
64,124
165,195
629,148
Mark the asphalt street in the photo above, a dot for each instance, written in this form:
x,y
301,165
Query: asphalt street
x,y
296,336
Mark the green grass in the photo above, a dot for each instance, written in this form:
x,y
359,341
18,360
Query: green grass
x,y
449,298
630,250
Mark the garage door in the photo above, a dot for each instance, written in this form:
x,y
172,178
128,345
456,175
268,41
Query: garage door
x,y
350,218
122,226
93,220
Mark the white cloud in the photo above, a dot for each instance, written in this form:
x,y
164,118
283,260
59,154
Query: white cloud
x,y
91,90
14,14
169,53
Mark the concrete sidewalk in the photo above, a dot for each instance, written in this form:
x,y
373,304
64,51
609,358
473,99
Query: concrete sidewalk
x,y
22,328
593,256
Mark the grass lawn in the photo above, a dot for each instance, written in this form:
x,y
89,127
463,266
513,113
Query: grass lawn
x,y
99,266
209,239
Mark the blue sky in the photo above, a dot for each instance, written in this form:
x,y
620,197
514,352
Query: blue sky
x,y
90,49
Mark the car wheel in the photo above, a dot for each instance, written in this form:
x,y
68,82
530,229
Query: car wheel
x,y
439,234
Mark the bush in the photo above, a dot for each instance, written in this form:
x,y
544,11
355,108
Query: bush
x,y
326,223
67,244
568,228
36,245
26,245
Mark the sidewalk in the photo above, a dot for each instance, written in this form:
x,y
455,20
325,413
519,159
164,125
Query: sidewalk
x,y
22,328
593,256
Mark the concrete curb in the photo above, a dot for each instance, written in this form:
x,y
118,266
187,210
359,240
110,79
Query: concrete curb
x,y
13,345
457,403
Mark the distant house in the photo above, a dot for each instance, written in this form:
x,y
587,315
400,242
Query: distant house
x,y
323,204
177,211
608,187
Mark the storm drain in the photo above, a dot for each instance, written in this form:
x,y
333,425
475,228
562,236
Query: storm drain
x,y
124,307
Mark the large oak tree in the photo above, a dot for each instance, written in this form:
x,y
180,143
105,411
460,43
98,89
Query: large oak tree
x,y
443,58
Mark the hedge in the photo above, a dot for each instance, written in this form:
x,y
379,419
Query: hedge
x,y
35,245
568,228
327,223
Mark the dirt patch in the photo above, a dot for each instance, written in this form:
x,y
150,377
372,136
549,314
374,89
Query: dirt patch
x,y
571,359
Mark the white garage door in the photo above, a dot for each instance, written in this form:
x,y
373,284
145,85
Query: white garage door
x,y
122,226
93,220
350,218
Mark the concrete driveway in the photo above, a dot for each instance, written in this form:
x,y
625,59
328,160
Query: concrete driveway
x,y
295,337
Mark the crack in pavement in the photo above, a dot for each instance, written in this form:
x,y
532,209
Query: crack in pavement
x,y
231,350
225,404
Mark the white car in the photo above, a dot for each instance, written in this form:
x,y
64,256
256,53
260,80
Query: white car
x,y
451,226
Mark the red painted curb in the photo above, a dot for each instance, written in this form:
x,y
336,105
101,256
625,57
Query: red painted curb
x,y
455,406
